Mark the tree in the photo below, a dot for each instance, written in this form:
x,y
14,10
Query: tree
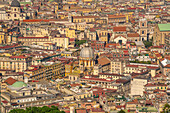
x,y
121,111
44,109
79,42
166,108
147,43
17,111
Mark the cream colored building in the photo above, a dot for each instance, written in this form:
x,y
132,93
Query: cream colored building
x,y
15,12
137,85
34,40
117,66
61,41
17,63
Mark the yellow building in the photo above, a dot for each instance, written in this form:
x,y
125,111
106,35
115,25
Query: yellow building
x,y
70,33
103,35
87,0
68,68
2,38
66,53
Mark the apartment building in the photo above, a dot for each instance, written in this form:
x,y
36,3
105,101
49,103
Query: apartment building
x,y
16,63
46,71
117,66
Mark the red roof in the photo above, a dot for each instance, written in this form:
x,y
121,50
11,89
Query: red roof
x,y
71,39
74,85
20,56
10,81
5,102
9,46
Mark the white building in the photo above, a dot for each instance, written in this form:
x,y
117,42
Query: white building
x,y
137,85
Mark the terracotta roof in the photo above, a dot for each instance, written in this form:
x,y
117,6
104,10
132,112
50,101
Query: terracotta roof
x,y
116,16
158,55
121,81
117,29
97,110
133,35
152,85
103,61
20,56
167,65
74,85
81,111
10,81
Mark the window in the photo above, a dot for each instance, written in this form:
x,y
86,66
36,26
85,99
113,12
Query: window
x,y
143,24
143,32
15,15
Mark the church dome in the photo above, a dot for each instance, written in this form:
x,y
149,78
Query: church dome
x,y
15,3
87,52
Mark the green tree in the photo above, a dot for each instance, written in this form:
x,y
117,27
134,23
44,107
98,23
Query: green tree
x,y
17,111
121,111
79,42
166,108
147,43
44,109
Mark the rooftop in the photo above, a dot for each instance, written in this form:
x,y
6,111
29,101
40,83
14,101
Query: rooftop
x,y
164,27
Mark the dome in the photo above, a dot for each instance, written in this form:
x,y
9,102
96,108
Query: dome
x,y
87,52
19,84
15,3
